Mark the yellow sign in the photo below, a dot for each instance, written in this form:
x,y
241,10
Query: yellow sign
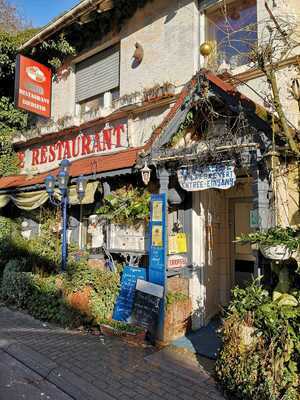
x,y
157,211
157,236
177,243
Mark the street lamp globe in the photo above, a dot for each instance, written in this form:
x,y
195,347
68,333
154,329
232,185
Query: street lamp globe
x,y
50,184
65,165
63,179
81,187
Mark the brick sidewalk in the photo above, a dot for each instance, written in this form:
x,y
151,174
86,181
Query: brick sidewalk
x,y
90,367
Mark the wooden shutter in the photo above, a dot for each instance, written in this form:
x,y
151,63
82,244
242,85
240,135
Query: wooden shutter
x,y
98,74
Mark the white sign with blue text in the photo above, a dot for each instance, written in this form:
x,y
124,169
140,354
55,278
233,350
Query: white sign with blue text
x,y
211,176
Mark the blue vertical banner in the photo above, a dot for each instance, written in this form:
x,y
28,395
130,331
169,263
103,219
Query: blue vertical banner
x,y
158,239
158,250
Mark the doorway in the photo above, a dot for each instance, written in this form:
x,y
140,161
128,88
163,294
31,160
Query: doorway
x,y
242,258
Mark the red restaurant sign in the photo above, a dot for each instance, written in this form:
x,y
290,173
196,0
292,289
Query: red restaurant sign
x,y
101,139
33,86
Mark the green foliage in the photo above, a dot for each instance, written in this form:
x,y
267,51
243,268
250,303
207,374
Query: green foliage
x,y
39,295
122,326
11,119
126,206
104,286
9,44
273,236
176,297
55,50
260,357
46,296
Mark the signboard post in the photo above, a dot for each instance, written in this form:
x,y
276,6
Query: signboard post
x,y
158,246
33,85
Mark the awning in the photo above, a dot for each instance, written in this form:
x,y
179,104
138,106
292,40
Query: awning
x,y
32,200
86,166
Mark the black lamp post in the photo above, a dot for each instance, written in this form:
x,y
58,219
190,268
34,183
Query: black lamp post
x,y
62,180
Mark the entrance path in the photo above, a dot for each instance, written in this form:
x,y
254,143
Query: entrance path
x,y
40,361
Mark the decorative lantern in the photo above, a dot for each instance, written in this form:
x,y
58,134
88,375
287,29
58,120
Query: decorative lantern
x,y
146,174
65,165
50,184
63,179
81,187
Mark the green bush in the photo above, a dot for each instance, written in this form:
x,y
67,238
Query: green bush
x,y
104,287
16,283
44,298
37,294
260,357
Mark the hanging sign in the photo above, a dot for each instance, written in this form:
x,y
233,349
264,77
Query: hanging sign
x,y
177,261
201,177
177,243
33,86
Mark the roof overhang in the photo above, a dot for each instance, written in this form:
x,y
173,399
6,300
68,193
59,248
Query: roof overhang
x,y
106,165
75,14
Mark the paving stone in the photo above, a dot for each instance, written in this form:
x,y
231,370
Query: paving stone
x,y
102,368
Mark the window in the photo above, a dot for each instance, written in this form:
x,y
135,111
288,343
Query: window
x,y
95,76
232,30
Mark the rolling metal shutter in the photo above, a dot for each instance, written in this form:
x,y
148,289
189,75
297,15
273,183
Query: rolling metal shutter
x,y
98,74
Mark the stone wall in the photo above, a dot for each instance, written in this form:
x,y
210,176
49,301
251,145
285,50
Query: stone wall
x,y
166,31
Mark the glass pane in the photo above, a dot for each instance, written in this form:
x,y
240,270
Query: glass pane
x,y
232,30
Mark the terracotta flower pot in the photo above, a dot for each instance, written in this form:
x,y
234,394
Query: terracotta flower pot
x,y
80,300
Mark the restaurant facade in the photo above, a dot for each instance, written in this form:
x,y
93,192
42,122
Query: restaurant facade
x,y
139,100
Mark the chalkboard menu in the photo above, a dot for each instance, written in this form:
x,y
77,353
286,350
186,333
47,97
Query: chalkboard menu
x,y
146,306
146,310
124,303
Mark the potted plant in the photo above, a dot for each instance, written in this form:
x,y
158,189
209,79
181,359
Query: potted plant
x,y
276,243
126,206
128,332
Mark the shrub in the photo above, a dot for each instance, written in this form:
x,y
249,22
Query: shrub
x,y
260,357
104,288
16,283
39,295
47,297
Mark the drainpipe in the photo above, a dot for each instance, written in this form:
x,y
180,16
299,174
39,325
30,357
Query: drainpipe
x,y
66,19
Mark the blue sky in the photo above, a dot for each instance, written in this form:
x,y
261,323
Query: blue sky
x,y
40,12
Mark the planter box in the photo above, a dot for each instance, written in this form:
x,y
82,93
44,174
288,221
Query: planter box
x,y
279,252
130,337
127,238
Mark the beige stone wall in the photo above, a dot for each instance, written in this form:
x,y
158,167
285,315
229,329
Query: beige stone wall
x,y
63,94
165,29
141,126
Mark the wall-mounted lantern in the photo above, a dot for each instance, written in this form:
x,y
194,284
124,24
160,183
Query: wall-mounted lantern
x,y
146,174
